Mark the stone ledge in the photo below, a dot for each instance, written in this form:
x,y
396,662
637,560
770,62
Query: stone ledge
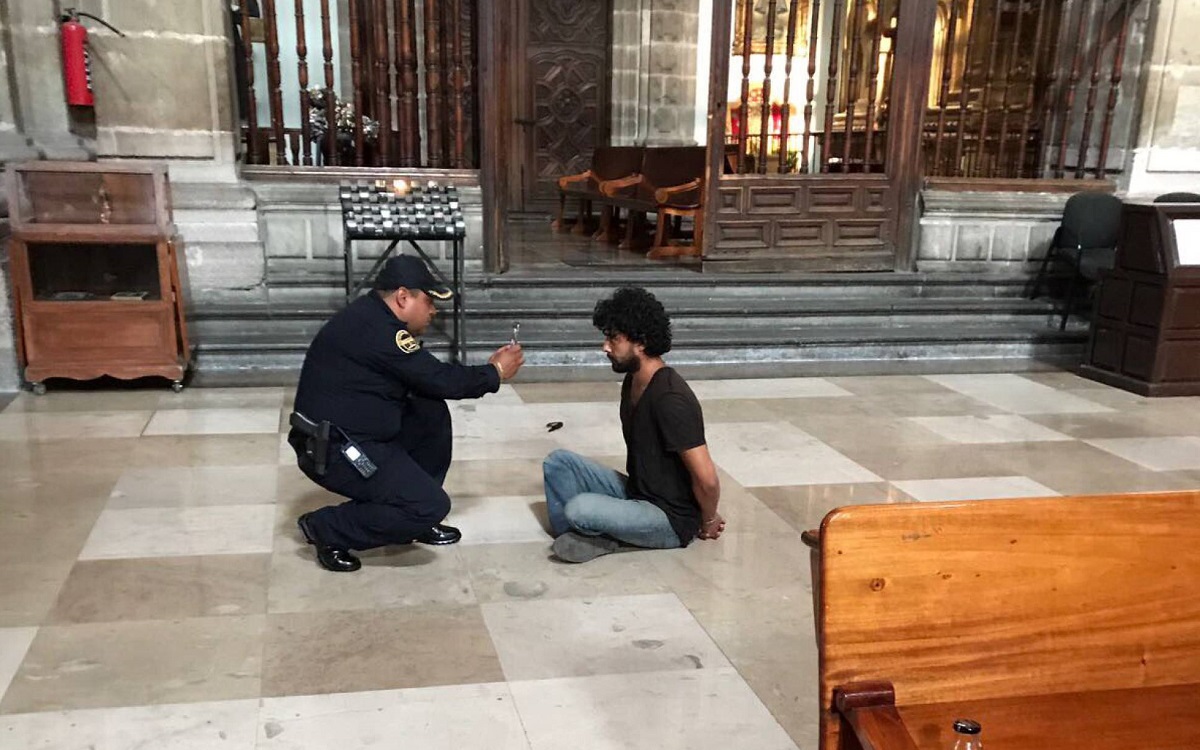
x,y
993,205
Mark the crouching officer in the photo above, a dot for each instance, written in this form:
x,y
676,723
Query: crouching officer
x,y
371,421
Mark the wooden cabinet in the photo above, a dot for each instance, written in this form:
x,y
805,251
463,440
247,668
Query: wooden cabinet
x,y
97,280
1146,326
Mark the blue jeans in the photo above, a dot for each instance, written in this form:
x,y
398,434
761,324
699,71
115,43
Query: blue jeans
x,y
585,497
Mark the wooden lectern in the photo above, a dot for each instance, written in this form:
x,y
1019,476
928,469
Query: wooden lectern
x,y
1146,325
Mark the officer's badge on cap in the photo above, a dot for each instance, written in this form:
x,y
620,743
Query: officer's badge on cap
x,y
406,342
410,272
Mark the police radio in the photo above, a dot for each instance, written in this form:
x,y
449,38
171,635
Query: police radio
x,y
76,60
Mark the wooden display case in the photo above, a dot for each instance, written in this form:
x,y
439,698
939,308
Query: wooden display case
x,y
1146,326
97,287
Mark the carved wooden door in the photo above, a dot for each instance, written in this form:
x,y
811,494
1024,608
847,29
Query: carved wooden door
x,y
566,99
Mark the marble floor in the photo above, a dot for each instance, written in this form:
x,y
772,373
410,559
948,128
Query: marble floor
x,y
155,593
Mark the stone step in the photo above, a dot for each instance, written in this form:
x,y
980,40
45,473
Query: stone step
x,y
327,288
258,358
490,321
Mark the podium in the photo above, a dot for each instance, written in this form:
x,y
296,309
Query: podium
x,y
1145,335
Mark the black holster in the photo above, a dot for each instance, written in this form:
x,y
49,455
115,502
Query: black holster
x,y
316,440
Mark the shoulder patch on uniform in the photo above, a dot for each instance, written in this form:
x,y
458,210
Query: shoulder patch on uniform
x,y
406,343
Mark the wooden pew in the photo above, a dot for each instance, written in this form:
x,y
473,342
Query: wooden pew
x,y
670,183
1063,623
608,163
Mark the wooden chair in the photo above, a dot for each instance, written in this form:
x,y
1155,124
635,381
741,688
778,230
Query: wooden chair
x,y
608,163
1060,622
669,183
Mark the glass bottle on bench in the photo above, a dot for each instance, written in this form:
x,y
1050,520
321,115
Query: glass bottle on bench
x,y
966,735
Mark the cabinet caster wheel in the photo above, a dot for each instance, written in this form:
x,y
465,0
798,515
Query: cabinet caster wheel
x,y
39,389
177,386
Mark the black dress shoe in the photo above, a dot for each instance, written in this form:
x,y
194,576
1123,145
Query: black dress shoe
x,y
440,534
333,559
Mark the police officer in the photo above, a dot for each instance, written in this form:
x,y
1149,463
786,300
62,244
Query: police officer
x,y
383,396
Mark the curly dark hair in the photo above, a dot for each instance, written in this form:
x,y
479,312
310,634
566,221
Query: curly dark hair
x,y
639,316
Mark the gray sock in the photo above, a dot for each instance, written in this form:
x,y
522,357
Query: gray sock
x,y
574,547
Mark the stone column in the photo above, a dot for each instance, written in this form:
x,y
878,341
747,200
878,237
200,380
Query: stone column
x,y
1167,156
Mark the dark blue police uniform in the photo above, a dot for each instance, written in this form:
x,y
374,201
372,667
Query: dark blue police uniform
x,y
371,379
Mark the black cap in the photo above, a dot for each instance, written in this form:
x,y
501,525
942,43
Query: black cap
x,y
966,726
410,272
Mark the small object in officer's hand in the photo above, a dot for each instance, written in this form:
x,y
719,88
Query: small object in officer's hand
x,y
517,332
552,426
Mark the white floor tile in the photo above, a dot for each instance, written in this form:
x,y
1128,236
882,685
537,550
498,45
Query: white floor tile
x,y
176,532
974,488
709,709
459,716
570,637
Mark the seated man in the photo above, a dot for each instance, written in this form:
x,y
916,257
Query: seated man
x,y
384,398
670,495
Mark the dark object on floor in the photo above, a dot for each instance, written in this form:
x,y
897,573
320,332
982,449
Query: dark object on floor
x,y
552,426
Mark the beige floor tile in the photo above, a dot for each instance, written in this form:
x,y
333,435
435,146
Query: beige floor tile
x,y
55,531
181,532
229,725
162,588
29,589
162,451
188,486
392,577
138,663
863,431
760,388
907,461
495,477
20,426
46,460
645,633
803,507
561,393
260,420
224,398
708,709
86,401
888,385
736,562
453,716
520,572
338,652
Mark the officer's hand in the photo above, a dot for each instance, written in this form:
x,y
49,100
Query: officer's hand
x,y
510,357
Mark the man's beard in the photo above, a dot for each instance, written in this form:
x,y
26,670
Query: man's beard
x,y
633,364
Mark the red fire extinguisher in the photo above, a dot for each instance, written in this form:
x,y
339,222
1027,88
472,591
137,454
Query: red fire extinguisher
x,y
77,64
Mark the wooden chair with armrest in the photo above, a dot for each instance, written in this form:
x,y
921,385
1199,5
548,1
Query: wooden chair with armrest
x,y
1061,622
608,163
669,179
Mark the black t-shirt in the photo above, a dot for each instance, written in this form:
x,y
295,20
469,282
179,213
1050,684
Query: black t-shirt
x,y
666,421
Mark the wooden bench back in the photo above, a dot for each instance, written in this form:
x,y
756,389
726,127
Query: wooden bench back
x,y
668,166
615,162
972,600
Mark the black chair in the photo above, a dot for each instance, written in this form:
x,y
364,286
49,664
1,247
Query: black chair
x,y
1087,239
1178,198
